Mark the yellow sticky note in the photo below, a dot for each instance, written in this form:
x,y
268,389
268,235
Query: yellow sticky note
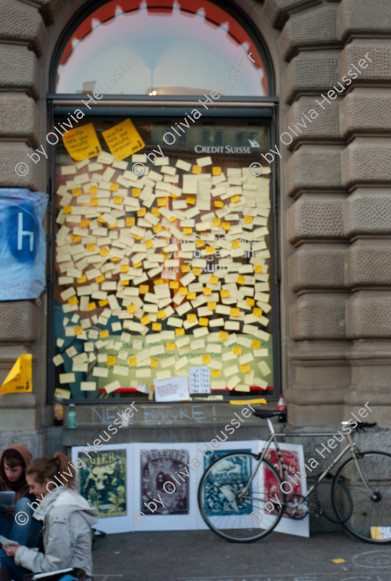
x,y
155,211
161,314
245,368
104,251
76,192
250,301
218,204
216,170
183,291
191,296
203,322
196,169
92,190
206,359
156,326
170,346
130,222
104,333
90,247
224,293
180,331
100,278
240,280
235,199
185,267
162,202
118,200
248,219
257,312
190,200
145,320
338,560
75,238
211,306
132,361
187,230
216,221
215,372
94,202
67,209
123,140
236,350
148,244
200,243
111,360
154,362
82,279
174,284
223,335
78,330
82,142
136,192
114,187
191,317
141,213
131,309
213,279
235,312
235,244
124,268
206,291
156,282
258,268
84,223
210,250
197,271
144,288
73,301
226,226
91,306
103,302
255,344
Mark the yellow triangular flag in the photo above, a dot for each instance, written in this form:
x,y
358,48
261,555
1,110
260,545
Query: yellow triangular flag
x,y
19,379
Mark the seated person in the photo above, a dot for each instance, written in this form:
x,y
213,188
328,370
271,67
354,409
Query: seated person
x,y
67,519
23,529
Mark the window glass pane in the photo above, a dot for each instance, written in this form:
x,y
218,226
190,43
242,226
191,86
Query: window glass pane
x,y
168,270
161,48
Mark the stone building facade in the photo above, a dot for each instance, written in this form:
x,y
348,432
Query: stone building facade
x,y
335,208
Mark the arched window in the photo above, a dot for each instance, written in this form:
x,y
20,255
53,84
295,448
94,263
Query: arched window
x,y
165,228
161,47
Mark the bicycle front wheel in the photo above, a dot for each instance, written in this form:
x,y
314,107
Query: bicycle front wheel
x,y
231,511
369,482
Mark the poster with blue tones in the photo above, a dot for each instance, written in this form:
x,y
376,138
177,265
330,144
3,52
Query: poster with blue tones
x,y
22,244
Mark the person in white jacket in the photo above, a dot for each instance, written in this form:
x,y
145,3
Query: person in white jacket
x,y
67,519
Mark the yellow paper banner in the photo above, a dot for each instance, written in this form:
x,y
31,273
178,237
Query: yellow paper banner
x,y
123,140
82,143
19,378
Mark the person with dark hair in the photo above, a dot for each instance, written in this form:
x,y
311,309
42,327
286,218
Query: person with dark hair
x,y
67,519
25,530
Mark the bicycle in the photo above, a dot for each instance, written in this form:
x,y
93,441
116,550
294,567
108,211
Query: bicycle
x,y
242,497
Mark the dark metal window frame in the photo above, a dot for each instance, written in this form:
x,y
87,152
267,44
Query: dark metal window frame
x,y
229,111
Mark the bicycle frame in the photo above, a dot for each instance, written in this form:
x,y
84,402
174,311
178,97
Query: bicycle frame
x,y
273,439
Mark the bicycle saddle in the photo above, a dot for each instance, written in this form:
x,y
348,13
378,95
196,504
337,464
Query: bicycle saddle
x,y
270,414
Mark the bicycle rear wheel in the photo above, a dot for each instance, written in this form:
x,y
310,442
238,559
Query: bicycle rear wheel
x,y
231,514
371,497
